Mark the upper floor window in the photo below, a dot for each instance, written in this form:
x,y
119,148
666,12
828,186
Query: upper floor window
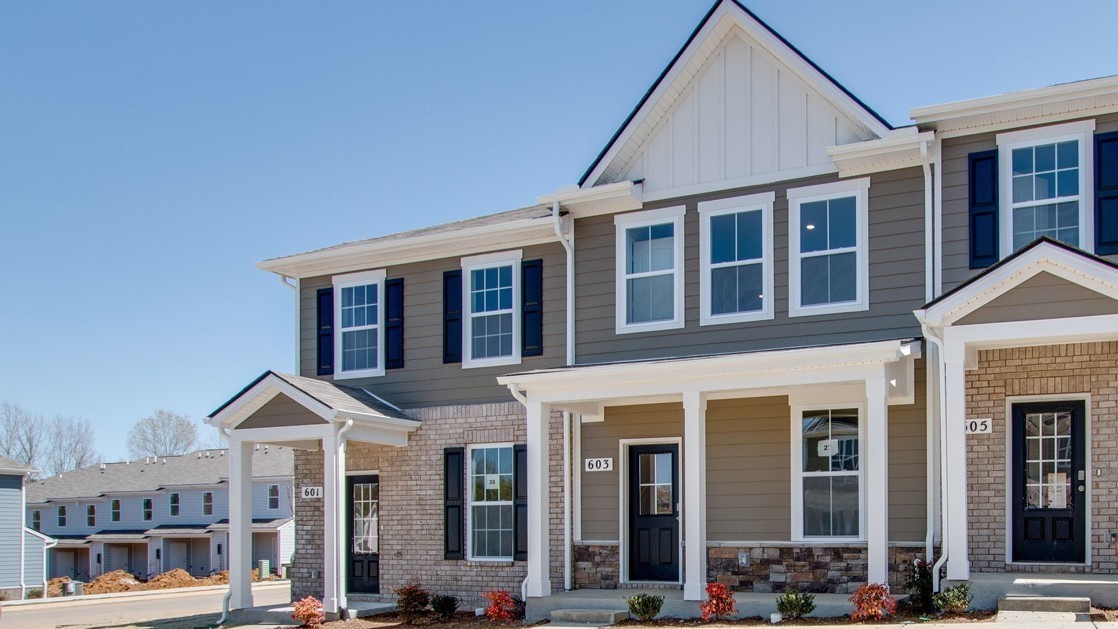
x,y
1046,185
735,249
359,321
147,509
649,265
491,517
36,520
61,517
491,291
175,503
828,235
208,503
827,476
273,497
91,515
114,510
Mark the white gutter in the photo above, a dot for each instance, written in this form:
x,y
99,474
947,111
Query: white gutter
x,y
937,218
568,244
929,225
298,323
945,505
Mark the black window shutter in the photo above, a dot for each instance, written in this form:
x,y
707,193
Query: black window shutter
x,y
452,316
983,184
1106,193
531,308
454,501
520,502
394,323
325,331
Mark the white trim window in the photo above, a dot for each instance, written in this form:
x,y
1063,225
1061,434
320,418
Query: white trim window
x,y
1046,186
91,516
828,243
828,486
175,503
208,503
736,253
491,294
491,519
147,510
273,497
36,521
61,517
649,270
359,322
114,510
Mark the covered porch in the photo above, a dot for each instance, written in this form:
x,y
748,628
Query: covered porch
x,y
672,405
306,414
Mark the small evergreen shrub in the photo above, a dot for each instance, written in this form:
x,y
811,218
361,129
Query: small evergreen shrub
x,y
918,582
719,605
954,600
645,607
411,600
872,602
794,605
444,606
308,612
502,606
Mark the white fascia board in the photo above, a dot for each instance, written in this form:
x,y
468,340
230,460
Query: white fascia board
x,y
14,471
900,150
1025,98
384,253
960,339
622,196
280,434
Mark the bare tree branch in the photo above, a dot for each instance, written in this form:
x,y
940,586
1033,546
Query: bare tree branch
x,y
69,445
23,435
213,439
162,434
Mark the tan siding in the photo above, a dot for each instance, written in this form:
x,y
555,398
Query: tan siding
x,y
896,283
425,380
1043,296
281,411
908,437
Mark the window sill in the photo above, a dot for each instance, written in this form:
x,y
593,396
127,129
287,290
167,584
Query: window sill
x,y
740,317
490,362
353,375
656,326
809,311
496,563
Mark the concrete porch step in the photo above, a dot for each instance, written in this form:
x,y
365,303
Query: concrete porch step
x,y
1065,604
589,616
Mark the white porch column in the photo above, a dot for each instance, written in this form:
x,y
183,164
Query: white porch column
x,y
342,543
877,480
695,495
955,458
240,524
539,573
330,506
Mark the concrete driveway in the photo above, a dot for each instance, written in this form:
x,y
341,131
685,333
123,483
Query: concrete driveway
x,y
168,609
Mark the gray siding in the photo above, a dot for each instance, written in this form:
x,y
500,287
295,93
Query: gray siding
x,y
280,412
896,240
1043,296
11,529
33,560
956,261
425,380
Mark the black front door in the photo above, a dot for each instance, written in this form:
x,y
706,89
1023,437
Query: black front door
x,y
363,535
654,512
1049,482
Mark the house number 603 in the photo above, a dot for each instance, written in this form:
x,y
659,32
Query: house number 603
x,y
599,465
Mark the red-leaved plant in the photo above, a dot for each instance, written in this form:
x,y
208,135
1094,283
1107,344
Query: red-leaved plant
x,y
720,604
872,602
501,606
309,612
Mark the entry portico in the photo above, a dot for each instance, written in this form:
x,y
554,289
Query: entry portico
x,y
307,414
870,376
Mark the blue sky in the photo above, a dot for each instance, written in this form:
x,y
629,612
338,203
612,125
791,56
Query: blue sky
x,y
150,153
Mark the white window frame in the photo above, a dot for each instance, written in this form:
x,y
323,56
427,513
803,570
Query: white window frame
x,y
708,209
270,507
147,509
798,473
207,509
37,521
174,502
622,224
477,263
470,501
1083,131
114,510
860,190
62,516
346,281
91,514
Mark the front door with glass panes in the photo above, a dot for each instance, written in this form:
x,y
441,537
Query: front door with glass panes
x,y
363,535
1049,496
654,512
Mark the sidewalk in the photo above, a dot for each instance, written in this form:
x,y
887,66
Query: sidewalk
x,y
148,594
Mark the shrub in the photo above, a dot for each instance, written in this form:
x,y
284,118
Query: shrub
x,y
444,606
645,607
872,602
309,612
793,605
918,582
955,600
502,606
35,593
411,600
720,605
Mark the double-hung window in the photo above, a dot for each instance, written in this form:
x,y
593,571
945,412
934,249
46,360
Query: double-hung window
x,y
828,235
359,324
147,509
61,517
649,265
36,520
491,516
1046,185
735,249
208,503
273,497
827,473
91,516
491,292
114,510
175,504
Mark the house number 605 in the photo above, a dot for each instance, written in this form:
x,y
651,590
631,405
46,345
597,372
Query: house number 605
x,y
978,426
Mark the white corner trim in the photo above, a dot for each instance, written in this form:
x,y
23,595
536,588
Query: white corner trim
x,y
624,222
763,203
505,258
349,280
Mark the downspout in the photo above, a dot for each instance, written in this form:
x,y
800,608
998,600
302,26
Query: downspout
x,y
23,541
937,202
929,225
929,281
568,245
945,505
339,526
294,287
228,593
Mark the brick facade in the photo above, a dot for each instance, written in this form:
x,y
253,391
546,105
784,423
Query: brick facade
x,y
411,504
1073,370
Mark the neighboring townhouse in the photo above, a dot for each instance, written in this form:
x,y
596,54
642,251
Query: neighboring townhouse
x,y
765,324
156,514
22,550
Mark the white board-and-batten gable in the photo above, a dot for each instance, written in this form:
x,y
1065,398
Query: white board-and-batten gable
x,y
738,106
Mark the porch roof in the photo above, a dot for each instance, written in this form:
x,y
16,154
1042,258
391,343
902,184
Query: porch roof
x,y
179,529
259,525
71,541
132,536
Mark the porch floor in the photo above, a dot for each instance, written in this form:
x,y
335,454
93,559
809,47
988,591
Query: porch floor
x,y
281,614
988,587
748,604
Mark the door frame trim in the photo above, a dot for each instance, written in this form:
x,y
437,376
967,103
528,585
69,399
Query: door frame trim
x,y
347,530
1007,431
623,501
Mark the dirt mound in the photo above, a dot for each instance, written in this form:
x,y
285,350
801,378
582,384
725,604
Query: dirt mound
x,y
177,578
217,578
55,585
112,582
